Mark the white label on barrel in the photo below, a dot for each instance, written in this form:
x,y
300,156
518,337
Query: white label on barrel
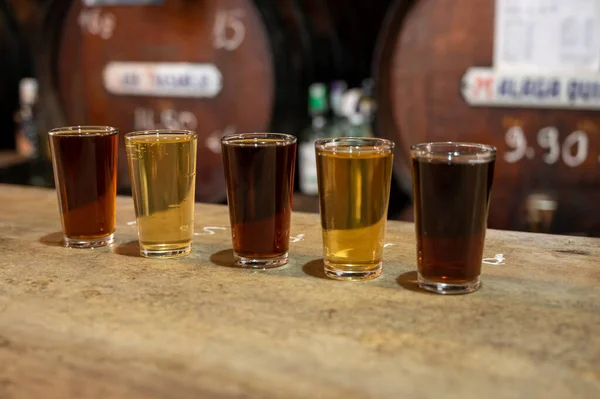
x,y
574,149
547,35
493,88
164,79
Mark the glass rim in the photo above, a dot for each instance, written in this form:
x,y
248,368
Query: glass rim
x,y
84,130
337,144
158,132
440,149
240,139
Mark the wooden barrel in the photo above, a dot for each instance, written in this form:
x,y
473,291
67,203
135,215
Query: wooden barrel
x,y
262,55
547,168
213,66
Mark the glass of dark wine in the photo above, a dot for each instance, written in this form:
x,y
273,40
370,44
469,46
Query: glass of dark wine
x,y
451,190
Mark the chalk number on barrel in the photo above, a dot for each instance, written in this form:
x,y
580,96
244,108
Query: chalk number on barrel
x,y
97,23
229,30
573,151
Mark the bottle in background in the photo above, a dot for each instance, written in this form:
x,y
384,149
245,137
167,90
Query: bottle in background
x,y
27,138
338,122
368,87
307,162
367,107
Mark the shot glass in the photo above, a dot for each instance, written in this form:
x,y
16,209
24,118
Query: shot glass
x,y
354,176
84,160
162,168
451,190
259,171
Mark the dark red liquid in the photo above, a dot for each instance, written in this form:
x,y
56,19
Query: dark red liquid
x,y
451,206
85,173
260,183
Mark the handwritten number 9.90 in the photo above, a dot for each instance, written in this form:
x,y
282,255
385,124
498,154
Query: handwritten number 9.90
x,y
574,149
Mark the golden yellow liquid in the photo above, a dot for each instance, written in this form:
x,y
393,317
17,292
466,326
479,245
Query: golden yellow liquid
x,y
354,190
162,168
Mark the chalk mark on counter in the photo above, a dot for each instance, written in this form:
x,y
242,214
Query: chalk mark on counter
x,y
387,245
498,259
209,230
297,238
132,223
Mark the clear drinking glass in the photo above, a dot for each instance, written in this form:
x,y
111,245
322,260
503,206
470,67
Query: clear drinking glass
x,y
354,176
162,168
85,174
259,170
451,188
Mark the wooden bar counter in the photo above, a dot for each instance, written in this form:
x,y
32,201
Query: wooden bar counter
x,y
106,323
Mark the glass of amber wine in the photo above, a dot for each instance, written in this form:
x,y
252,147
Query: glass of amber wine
x,y
162,168
354,176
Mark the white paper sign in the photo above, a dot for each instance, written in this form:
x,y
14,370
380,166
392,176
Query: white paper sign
x,y
163,79
488,87
547,35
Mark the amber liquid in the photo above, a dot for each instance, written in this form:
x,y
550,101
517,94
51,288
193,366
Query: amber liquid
x,y
163,174
354,191
260,184
451,206
85,174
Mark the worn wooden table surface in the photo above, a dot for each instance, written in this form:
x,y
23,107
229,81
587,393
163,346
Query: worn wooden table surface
x,y
109,324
